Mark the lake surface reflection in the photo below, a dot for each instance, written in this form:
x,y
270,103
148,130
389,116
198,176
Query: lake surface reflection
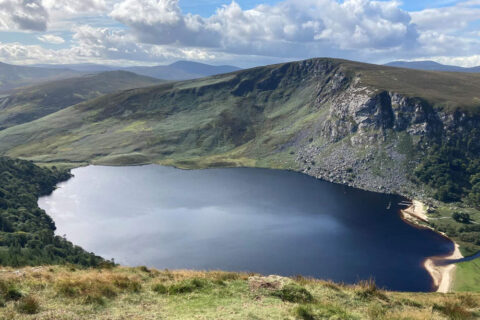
x,y
257,220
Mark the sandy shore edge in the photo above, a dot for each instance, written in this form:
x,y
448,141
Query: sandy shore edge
x,y
443,275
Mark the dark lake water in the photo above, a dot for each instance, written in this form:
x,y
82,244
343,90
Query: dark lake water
x,y
265,221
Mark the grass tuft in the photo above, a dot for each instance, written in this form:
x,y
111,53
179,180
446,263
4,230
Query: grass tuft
x,y
28,305
160,288
13,293
368,289
188,286
294,293
453,311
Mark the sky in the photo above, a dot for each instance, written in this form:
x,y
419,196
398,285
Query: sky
x,y
244,33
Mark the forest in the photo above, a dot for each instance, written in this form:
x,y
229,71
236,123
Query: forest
x,y
27,233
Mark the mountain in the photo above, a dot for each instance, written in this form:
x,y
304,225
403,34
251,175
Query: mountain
x,y
385,129
12,76
431,66
181,70
30,103
80,67
360,124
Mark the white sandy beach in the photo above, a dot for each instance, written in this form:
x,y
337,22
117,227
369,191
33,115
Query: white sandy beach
x,y
443,275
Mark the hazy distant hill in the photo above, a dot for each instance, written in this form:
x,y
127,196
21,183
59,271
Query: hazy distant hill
x,y
181,70
430,65
80,67
30,103
12,76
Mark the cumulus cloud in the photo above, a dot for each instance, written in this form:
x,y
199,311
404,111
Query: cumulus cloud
x,y
23,15
447,18
158,30
278,29
75,6
50,38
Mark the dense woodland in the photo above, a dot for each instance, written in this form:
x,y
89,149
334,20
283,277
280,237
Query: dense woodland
x,y
26,231
453,171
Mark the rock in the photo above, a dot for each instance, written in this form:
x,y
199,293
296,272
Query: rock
x,y
271,282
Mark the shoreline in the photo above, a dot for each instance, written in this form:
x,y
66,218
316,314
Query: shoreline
x,y
443,275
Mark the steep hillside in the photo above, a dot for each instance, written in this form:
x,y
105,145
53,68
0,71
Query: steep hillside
x,y
12,76
31,103
431,66
364,125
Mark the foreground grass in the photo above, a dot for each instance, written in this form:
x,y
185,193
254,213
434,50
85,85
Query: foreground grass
x,y
140,293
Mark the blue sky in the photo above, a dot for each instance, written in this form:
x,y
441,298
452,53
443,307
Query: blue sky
x,y
147,32
208,7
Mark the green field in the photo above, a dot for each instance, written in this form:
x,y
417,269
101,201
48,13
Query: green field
x,y
467,276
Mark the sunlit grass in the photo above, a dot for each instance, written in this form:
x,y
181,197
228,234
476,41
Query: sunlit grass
x,y
142,293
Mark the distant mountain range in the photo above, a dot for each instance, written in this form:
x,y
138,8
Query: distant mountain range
x,y
12,76
181,70
430,66
33,102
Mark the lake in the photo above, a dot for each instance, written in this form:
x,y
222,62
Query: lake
x,y
241,219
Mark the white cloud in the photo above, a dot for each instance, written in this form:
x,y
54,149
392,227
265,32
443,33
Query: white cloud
x,y
158,31
23,15
75,6
284,29
446,19
50,38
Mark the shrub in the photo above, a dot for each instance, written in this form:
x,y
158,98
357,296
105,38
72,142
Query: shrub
x,y
368,289
227,276
13,293
294,293
127,283
410,303
28,305
453,311
187,286
144,269
468,301
461,217
94,299
305,313
376,312
88,288
160,288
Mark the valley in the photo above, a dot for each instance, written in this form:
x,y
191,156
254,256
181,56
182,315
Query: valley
x,y
398,132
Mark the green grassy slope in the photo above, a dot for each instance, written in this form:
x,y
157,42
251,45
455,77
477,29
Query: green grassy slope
x,y
31,103
450,90
255,115
245,115
467,276
12,76
141,293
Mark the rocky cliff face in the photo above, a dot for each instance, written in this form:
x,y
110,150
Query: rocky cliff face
x,y
374,139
